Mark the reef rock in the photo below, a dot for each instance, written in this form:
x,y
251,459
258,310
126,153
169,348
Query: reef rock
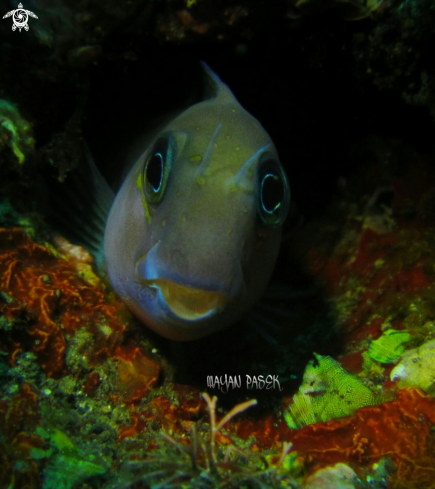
x,y
340,476
417,368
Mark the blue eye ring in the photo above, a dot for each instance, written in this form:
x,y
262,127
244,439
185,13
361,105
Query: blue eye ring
x,y
156,170
274,193
269,180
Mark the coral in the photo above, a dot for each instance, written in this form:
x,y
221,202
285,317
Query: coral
x,y
15,131
22,412
61,335
18,417
380,473
400,430
46,294
340,476
327,391
382,280
69,367
389,347
80,258
417,368
379,278
136,374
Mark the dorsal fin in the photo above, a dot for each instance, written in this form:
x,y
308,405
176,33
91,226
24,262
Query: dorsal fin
x,y
214,87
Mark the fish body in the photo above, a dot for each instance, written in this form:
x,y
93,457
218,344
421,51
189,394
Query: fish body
x,y
194,231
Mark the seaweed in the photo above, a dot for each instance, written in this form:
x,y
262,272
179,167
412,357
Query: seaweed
x,y
203,463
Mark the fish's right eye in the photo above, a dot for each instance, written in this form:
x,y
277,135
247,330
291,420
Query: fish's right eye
x,y
156,170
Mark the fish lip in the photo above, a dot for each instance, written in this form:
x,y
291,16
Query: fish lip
x,y
186,302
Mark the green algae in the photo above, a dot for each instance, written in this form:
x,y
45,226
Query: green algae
x,y
15,131
371,368
327,392
65,472
9,217
389,347
67,466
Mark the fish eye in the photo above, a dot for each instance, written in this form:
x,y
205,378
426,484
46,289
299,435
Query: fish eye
x,y
274,193
156,170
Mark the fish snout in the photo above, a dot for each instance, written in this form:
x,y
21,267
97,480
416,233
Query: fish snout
x,y
186,288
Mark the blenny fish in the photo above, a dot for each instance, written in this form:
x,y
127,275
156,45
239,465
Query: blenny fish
x,y
193,234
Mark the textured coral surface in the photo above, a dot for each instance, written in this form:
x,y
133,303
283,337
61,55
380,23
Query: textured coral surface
x,y
86,392
49,299
400,429
80,374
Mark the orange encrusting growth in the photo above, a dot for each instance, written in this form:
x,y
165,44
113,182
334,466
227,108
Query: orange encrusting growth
x,y
137,374
400,429
46,300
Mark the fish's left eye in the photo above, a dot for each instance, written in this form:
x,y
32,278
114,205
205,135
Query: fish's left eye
x,y
274,193
156,170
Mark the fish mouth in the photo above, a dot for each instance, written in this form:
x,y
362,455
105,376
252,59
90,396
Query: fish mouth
x,y
188,302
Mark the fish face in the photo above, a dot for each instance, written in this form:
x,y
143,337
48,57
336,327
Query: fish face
x,y
193,234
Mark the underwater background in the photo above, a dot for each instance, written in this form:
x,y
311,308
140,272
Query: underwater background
x,y
89,397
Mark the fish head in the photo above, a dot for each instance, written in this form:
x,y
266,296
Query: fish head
x,y
194,232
